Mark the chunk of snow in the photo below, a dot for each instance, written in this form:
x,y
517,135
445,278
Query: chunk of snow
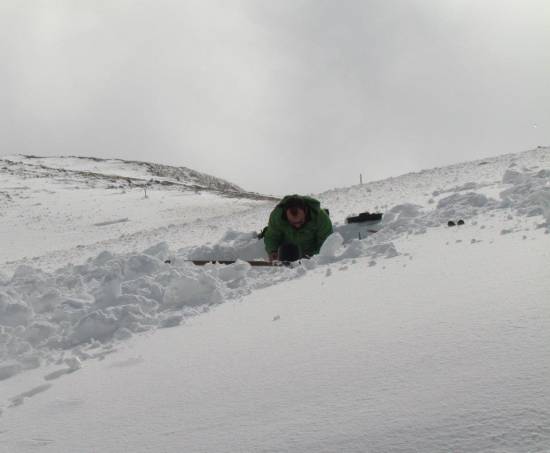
x,y
13,312
190,291
331,246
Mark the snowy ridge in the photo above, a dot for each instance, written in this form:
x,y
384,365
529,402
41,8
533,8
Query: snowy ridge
x,y
59,321
116,171
426,187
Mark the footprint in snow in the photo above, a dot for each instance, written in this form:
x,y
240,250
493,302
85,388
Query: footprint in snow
x,y
57,374
18,400
37,442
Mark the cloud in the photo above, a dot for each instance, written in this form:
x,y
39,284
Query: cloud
x,y
278,97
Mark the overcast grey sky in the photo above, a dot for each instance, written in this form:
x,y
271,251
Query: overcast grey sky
x,y
276,96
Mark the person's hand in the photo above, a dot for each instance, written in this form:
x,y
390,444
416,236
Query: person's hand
x,y
273,256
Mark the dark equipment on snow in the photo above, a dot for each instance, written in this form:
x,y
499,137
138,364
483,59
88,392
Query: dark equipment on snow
x,y
451,223
365,217
253,263
258,263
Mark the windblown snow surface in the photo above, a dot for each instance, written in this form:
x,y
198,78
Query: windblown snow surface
x,y
420,337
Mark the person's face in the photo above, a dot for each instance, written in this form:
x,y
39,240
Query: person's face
x,y
296,217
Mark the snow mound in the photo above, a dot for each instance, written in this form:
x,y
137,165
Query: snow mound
x,y
335,249
528,194
404,218
190,291
233,245
107,298
78,309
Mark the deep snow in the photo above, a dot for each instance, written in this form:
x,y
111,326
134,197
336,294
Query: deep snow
x,y
417,338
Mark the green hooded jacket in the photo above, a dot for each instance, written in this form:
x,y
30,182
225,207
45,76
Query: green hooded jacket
x,y
309,238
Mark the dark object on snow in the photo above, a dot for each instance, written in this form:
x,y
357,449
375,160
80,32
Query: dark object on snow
x,y
365,217
452,223
256,263
288,252
252,263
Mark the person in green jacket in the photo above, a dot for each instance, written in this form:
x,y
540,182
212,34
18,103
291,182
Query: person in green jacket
x,y
297,221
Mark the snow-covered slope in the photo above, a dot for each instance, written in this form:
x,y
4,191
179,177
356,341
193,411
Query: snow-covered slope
x,y
57,210
116,170
420,337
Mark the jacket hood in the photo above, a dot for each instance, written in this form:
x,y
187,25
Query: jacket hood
x,y
311,203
